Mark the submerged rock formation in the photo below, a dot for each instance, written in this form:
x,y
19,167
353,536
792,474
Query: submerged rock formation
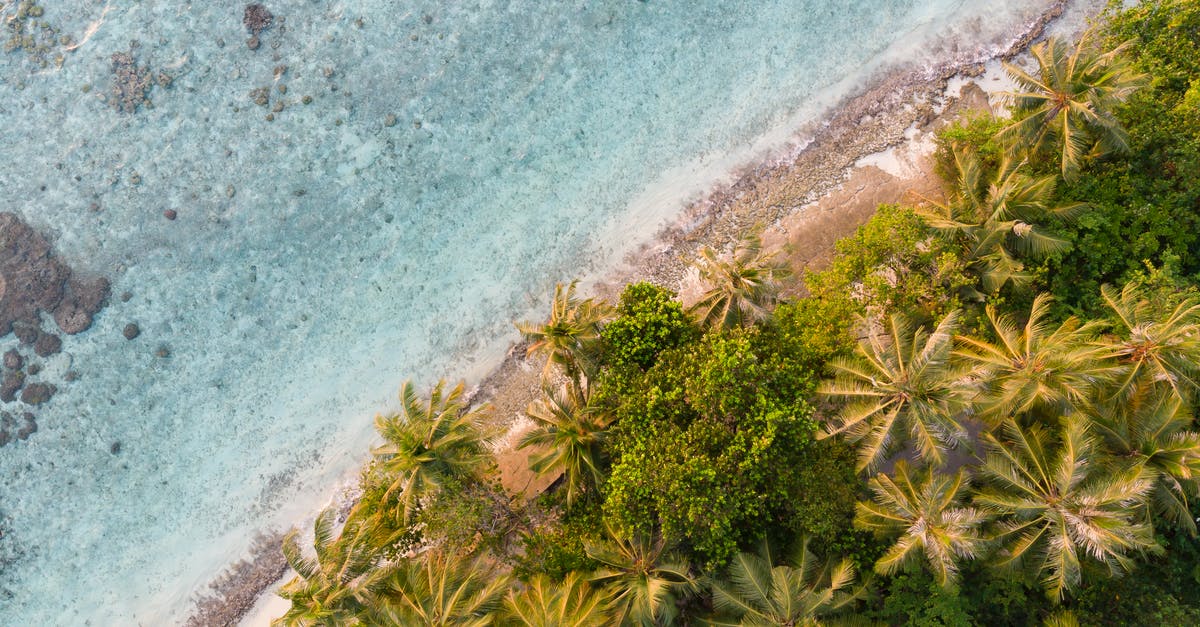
x,y
33,280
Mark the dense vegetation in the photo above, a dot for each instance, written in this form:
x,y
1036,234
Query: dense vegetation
x,y
982,414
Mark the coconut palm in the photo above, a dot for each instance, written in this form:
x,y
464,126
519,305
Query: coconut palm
x,y
1151,429
1057,504
796,593
345,576
1155,344
1037,366
924,510
570,429
1068,104
427,442
742,289
568,338
901,384
440,589
642,579
996,221
571,602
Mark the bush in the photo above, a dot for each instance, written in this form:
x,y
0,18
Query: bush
x,y
649,320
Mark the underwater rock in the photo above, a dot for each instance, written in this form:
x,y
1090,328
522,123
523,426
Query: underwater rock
x,y
13,359
131,83
38,393
47,344
11,385
131,331
170,214
29,428
256,18
33,280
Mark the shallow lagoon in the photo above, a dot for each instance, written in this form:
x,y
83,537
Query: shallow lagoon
x,y
453,163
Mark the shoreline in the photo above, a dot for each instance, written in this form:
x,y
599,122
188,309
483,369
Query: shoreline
x,y
763,194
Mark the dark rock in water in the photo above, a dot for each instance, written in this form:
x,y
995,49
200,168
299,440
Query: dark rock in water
x,y
253,43
5,438
38,393
71,376
47,344
163,352
170,214
126,296
26,335
11,385
81,300
256,18
34,369
7,422
13,360
29,428
33,280
131,331
131,83
115,448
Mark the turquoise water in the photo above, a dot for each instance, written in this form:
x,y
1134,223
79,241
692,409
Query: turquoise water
x,y
454,162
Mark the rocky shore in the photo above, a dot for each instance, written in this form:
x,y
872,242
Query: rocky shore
x,y
802,201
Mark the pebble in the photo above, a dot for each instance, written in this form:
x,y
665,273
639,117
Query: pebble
x,y
306,100
389,121
125,296
253,43
170,214
131,331
115,448
230,191
163,352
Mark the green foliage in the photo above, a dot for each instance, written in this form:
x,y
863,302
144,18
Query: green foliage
x,y
916,599
1144,206
649,320
978,133
893,264
556,547
701,444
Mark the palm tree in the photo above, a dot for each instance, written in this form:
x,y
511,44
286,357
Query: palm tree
x,y
642,580
741,289
426,443
996,221
796,593
924,509
345,577
571,429
1155,345
568,338
571,602
1068,104
901,386
1151,429
1058,503
1036,366
440,589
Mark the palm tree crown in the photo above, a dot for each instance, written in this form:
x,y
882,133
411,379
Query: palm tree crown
x,y
796,593
568,338
901,384
1155,345
925,510
741,289
1057,503
997,221
426,443
345,576
643,581
546,603
571,431
1068,104
1037,365
440,589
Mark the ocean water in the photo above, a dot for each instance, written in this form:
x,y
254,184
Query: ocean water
x,y
454,160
